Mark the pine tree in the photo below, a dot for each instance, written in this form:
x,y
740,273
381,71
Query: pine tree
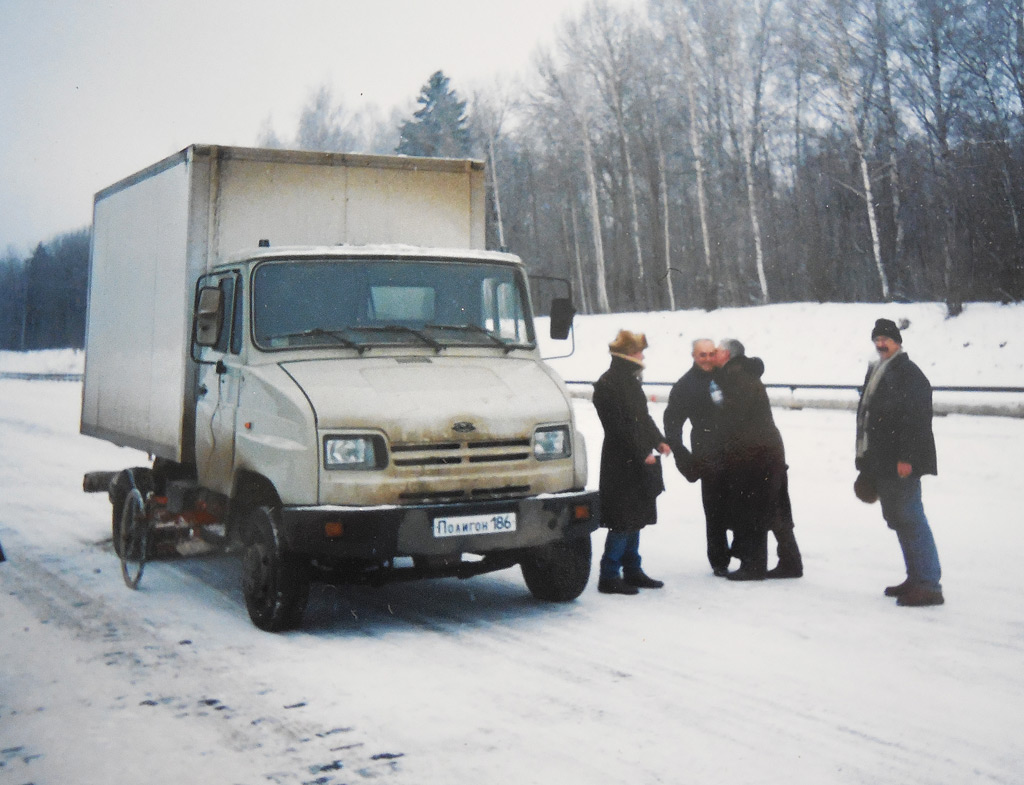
x,y
438,128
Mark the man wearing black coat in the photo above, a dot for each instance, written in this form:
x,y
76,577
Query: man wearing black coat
x,y
691,400
749,447
630,470
895,448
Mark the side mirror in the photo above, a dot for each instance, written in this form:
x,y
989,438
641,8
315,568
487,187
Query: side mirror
x,y
562,312
209,315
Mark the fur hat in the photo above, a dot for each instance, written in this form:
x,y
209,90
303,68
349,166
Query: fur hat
x,y
888,328
628,343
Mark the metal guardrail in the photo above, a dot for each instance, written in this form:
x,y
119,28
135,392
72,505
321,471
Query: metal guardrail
x,y
42,377
854,387
995,401
1000,408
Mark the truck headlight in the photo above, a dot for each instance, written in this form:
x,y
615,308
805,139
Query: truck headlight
x,y
354,452
551,443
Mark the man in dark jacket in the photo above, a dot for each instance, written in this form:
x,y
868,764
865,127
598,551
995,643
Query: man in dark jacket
x,y
749,447
630,470
895,448
690,399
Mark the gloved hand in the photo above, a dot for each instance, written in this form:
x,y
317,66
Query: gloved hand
x,y
688,466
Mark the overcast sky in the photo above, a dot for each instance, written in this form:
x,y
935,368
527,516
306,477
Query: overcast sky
x,y
94,90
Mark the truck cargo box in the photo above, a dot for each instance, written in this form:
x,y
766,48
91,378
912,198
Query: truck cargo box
x,y
156,232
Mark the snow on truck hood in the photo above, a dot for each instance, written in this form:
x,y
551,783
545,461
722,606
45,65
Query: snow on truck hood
x,y
420,398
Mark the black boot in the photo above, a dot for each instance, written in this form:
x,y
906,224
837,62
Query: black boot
x,y
899,589
615,586
918,596
641,580
745,573
786,570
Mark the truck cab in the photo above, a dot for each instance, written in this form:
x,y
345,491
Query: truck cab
x,y
388,403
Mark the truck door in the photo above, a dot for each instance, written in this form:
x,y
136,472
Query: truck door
x,y
219,383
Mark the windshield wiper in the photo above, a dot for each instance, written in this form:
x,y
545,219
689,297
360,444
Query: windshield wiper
x,y
475,328
320,332
398,328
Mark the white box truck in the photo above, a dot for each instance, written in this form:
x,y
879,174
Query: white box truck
x,y
331,375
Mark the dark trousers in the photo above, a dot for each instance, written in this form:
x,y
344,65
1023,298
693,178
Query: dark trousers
x,y
713,489
782,527
759,503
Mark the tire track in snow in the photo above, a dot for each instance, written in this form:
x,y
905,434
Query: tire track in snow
x,y
163,684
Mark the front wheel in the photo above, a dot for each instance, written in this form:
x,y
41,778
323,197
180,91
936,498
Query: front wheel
x,y
275,583
558,571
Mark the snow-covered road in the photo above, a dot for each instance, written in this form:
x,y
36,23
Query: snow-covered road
x,y
818,680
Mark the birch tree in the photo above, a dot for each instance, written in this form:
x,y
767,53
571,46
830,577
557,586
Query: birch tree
x,y
603,41
854,90
564,91
933,86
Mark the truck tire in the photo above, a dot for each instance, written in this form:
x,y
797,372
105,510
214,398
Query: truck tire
x,y
558,571
119,492
275,584
133,544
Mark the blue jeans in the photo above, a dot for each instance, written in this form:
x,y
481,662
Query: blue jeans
x,y
904,512
621,549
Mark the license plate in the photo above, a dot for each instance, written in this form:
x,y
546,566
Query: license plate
x,y
461,525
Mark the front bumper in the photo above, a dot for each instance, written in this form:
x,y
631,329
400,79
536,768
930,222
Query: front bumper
x,y
381,533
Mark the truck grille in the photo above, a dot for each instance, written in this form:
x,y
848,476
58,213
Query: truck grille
x,y
453,453
476,494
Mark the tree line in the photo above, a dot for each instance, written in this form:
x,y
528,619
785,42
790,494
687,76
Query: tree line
x,y
43,297
731,152
708,153
703,153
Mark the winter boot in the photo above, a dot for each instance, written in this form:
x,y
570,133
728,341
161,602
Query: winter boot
x,y
641,580
745,573
786,570
899,589
919,596
615,586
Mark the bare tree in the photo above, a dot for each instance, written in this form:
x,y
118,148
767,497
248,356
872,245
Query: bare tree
x,y
604,42
934,87
564,94
327,125
840,48
489,114
750,40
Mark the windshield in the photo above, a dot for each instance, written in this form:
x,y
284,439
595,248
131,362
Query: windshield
x,y
365,303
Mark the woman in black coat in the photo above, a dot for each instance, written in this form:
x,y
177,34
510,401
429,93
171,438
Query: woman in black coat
x,y
630,470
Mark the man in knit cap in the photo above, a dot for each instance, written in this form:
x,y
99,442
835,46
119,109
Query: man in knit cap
x,y
630,470
895,448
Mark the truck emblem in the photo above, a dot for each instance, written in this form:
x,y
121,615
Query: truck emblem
x,y
463,427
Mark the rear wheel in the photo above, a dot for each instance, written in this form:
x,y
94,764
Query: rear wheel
x,y
558,571
275,583
119,489
133,538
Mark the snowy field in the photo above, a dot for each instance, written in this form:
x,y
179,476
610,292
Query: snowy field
x,y
817,680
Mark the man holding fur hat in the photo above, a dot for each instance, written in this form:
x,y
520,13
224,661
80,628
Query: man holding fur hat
x,y
895,448
630,468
